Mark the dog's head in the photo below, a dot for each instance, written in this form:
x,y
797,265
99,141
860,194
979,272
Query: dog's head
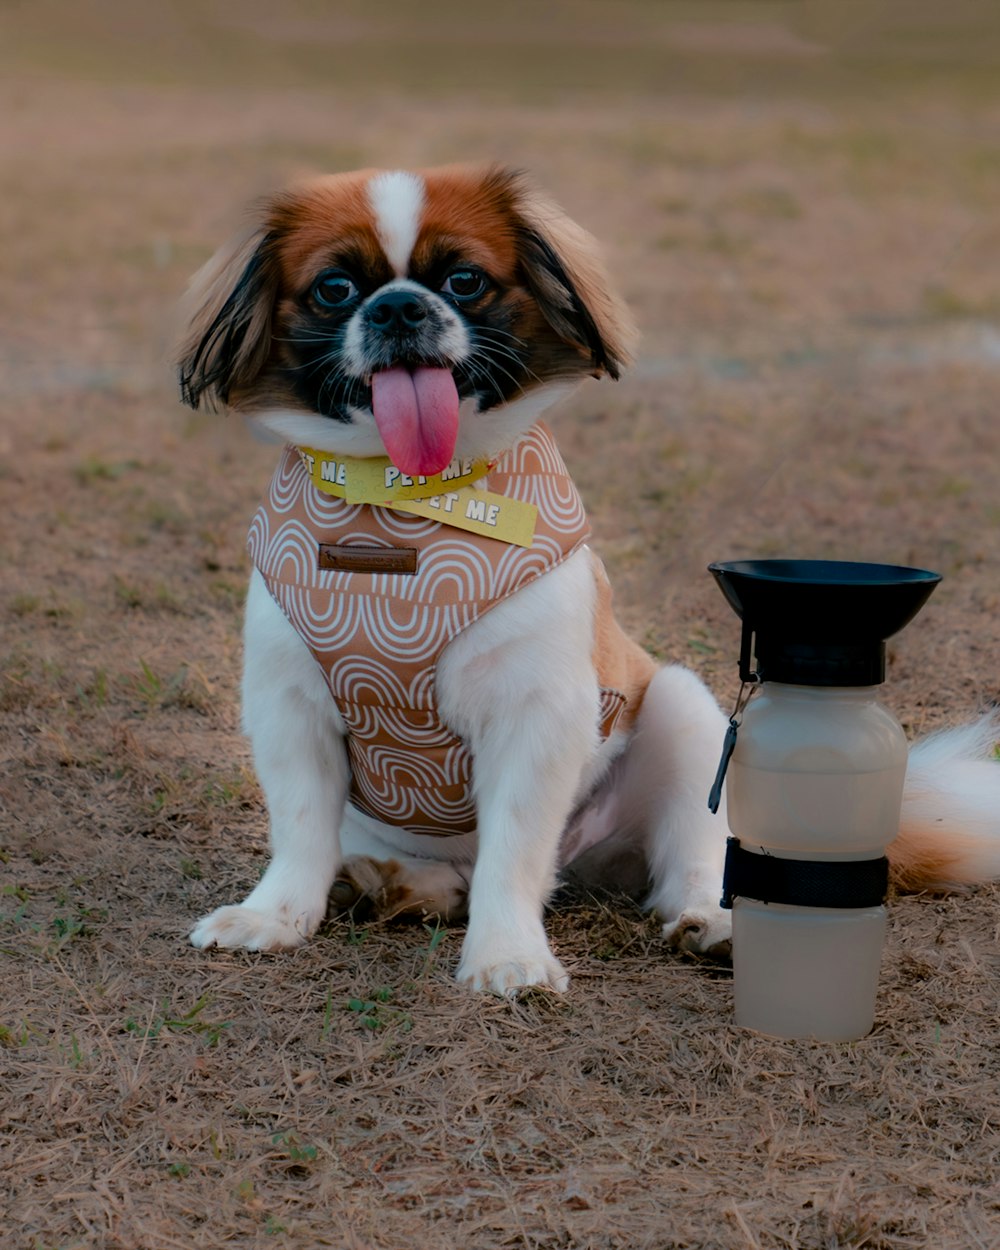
x,y
418,315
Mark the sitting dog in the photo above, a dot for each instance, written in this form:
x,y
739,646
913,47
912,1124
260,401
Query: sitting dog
x,y
442,709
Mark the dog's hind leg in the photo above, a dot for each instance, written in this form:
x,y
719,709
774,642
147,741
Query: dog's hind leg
x,y
387,889
667,775
299,753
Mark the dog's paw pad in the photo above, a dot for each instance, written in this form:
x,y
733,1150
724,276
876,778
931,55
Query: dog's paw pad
x,y
250,929
700,934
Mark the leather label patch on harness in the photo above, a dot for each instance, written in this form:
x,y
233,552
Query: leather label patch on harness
x,y
367,558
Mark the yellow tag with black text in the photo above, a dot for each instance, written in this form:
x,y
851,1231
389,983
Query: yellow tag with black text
x,y
377,480
479,512
447,496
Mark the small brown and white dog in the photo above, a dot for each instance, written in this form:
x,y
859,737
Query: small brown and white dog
x,y
430,318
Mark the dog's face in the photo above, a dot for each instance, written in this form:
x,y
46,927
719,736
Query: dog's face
x,y
414,315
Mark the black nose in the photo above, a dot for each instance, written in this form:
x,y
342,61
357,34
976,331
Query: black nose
x,y
396,310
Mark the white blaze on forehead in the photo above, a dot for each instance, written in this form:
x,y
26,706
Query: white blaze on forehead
x,y
397,200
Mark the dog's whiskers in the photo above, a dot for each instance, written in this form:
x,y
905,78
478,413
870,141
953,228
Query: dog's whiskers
x,y
479,360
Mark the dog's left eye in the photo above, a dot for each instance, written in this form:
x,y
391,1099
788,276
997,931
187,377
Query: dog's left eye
x,y
464,284
333,289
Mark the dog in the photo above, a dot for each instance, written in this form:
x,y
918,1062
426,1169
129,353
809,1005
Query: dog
x,y
443,719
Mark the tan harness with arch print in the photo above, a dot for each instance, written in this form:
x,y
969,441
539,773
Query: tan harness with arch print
x,y
377,594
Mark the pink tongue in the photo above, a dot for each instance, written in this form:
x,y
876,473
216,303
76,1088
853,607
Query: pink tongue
x,y
417,417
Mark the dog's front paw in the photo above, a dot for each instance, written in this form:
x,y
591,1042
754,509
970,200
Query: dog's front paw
x,y
706,930
253,929
506,973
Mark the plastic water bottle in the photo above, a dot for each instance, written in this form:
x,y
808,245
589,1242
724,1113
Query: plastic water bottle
x,y
814,768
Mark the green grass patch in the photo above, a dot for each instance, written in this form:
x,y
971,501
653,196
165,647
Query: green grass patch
x,y
184,687
377,1012
169,1021
946,304
95,469
25,605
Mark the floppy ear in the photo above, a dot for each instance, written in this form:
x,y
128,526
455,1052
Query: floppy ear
x,y
565,273
228,310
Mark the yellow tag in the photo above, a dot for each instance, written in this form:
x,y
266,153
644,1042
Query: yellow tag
x,y
377,480
480,512
446,497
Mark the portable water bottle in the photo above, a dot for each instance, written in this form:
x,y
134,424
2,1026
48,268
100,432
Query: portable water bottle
x,y
814,786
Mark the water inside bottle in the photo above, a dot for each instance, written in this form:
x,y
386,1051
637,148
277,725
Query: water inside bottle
x,y
806,973
830,815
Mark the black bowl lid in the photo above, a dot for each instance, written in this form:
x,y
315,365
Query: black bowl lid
x,y
820,622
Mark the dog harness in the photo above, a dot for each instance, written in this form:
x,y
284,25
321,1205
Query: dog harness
x,y
377,594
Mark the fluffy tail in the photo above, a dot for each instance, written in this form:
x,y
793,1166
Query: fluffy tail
x,y
949,834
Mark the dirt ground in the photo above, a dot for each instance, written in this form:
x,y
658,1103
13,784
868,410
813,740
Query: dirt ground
x,y
801,203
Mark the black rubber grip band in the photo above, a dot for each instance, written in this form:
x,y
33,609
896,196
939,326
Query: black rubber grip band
x,y
803,882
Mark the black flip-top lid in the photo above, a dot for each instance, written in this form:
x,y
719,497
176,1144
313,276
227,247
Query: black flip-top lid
x,y
820,622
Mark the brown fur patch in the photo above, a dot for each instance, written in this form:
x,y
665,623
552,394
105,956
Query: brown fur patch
x,y
932,857
320,221
471,206
620,662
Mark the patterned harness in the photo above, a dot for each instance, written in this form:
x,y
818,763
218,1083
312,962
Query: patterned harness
x,y
378,635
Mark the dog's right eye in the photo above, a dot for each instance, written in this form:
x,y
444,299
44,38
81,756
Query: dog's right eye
x,y
333,290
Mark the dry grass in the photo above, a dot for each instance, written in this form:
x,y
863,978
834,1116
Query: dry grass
x,y
809,241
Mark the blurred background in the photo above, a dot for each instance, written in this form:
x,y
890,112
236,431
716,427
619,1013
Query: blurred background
x,y
798,199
